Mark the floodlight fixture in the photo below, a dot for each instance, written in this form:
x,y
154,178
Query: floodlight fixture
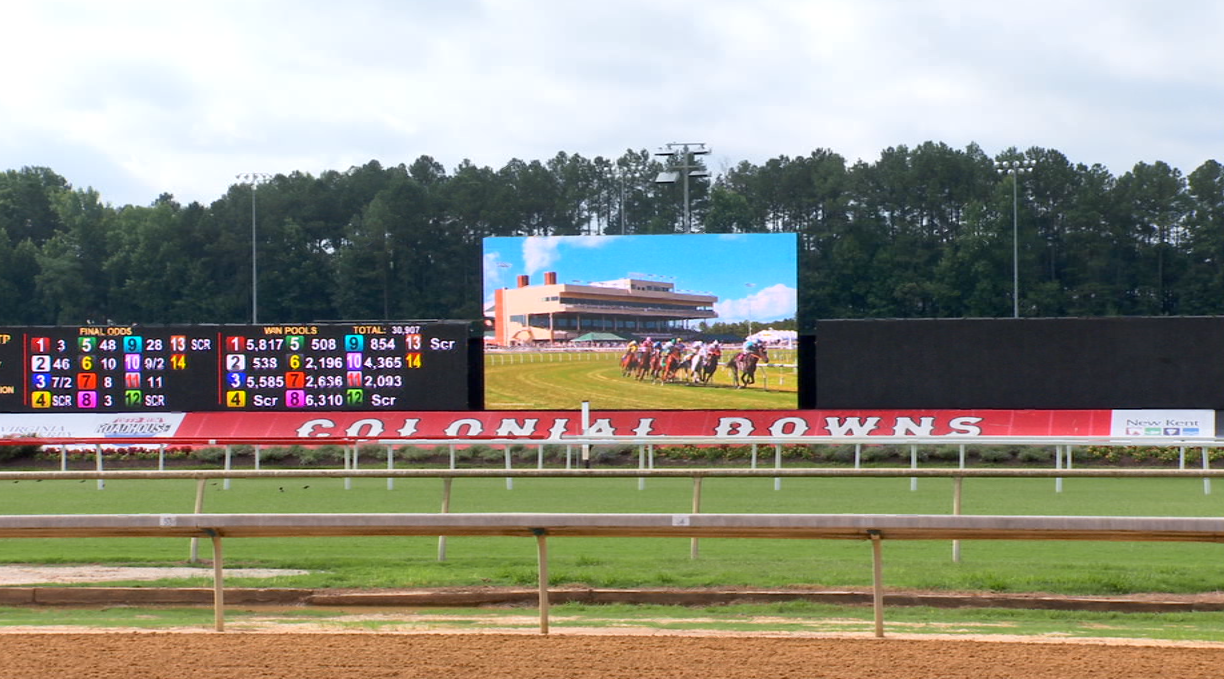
x,y
687,169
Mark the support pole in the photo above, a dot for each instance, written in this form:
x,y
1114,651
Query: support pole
x,y
390,467
586,430
199,507
542,551
1058,464
641,465
218,584
877,582
506,455
777,465
956,511
102,483
696,510
446,497
229,464
1206,466
913,465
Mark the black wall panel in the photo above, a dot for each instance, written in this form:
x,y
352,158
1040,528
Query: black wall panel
x,y
1054,363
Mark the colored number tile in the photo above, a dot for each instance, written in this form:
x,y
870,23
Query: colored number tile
x,y
40,399
87,399
354,397
354,342
236,398
353,378
295,398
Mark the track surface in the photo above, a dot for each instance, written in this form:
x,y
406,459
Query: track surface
x,y
174,655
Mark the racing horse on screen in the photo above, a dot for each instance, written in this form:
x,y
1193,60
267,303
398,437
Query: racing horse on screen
x,y
743,365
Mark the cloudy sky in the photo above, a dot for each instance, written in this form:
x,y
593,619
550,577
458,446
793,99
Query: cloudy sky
x,y
138,98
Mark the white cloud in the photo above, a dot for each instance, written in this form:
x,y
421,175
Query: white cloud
x,y
539,253
773,303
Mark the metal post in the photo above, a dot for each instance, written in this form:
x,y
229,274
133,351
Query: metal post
x,y
641,465
102,483
696,510
509,480
229,463
956,510
913,465
390,466
1206,466
777,465
542,553
877,582
350,453
446,497
218,585
199,507
1058,482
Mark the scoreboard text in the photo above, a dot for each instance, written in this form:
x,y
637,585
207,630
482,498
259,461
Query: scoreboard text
x,y
368,366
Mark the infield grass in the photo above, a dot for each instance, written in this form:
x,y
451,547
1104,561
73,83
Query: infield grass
x,y
797,617
1086,568
547,381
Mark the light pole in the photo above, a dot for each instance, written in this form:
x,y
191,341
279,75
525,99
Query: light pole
x,y
686,151
254,179
1015,168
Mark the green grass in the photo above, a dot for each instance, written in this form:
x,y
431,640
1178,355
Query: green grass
x,y
541,381
788,617
1001,566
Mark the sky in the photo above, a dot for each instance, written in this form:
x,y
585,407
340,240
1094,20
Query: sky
x,y
136,98
753,275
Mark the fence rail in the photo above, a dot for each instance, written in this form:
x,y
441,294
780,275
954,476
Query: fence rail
x,y
868,527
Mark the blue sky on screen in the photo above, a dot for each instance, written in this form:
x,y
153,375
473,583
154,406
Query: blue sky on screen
x,y
753,275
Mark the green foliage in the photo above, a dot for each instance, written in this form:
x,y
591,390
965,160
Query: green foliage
x,y
920,232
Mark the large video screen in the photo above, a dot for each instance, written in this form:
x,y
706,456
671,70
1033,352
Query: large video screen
x,y
695,321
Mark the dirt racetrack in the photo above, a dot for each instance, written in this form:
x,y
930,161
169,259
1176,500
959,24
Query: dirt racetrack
x,y
366,655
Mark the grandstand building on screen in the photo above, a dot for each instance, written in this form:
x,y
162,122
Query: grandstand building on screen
x,y
562,312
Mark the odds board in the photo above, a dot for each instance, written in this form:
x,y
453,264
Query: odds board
x,y
320,366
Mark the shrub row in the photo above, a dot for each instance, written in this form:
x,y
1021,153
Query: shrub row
x,y
331,455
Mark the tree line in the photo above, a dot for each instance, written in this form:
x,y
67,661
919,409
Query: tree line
x,y
921,232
